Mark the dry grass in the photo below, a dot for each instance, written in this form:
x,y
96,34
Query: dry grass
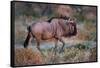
x,y
90,27
93,56
70,55
81,35
77,55
87,33
27,57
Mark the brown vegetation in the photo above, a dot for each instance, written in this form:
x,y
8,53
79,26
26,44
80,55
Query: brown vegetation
x,y
86,32
93,56
27,57
70,55
64,10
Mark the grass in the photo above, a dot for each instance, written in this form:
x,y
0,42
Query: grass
x,y
27,57
93,54
70,55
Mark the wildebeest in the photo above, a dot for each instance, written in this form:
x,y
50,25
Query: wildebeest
x,y
55,28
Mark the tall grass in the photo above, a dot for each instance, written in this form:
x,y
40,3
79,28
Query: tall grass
x,y
70,55
27,57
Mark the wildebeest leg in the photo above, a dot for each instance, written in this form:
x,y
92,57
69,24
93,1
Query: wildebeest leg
x,y
38,45
55,48
62,48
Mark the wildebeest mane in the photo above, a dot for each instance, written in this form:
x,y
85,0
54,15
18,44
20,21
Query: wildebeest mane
x,y
61,17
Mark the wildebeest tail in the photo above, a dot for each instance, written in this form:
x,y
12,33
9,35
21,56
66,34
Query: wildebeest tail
x,y
27,38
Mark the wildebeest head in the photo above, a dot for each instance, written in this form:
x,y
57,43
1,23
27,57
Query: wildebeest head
x,y
72,27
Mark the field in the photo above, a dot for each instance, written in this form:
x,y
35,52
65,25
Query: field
x,y
70,55
79,48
